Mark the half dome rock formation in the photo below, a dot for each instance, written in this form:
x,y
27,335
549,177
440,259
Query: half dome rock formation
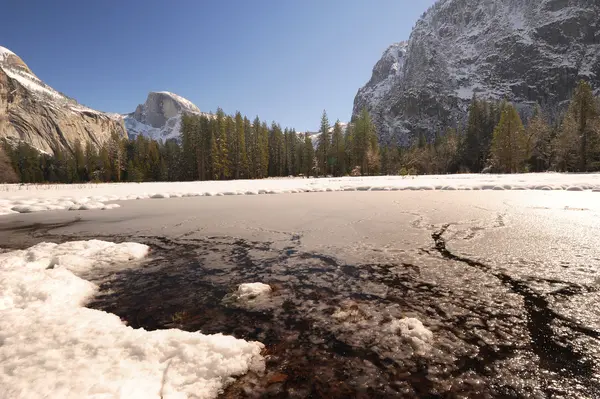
x,y
526,51
159,118
35,113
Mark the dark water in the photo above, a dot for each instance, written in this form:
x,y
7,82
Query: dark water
x,y
503,341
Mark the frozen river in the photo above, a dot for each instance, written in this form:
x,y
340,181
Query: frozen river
x,y
507,282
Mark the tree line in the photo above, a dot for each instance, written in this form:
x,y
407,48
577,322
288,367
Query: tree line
x,y
211,147
222,147
495,139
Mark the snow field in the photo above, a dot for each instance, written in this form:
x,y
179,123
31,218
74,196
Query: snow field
x,y
35,198
52,346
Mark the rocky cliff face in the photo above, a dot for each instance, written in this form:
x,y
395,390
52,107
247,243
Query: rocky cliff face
x,y
527,51
159,117
34,112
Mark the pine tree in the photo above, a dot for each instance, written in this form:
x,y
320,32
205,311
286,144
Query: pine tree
x,y
241,157
189,145
350,147
509,142
308,156
567,145
538,149
276,151
116,151
79,162
232,147
171,155
219,146
7,172
256,148
583,109
249,141
91,160
154,162
473,152
104,165
365,144
447,152
323,144
338,152
264,150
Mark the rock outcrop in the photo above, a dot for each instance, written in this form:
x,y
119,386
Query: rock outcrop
x,y
159,118
33,112
527,51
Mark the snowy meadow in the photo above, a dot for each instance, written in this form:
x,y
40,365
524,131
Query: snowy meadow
x,y
25,198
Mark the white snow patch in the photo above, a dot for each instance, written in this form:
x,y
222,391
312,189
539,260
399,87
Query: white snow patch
x,y
23,198
413,331
252,290
32,83
183,101
52,346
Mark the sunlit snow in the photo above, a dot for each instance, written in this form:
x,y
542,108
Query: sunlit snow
x,y
15,198
52,346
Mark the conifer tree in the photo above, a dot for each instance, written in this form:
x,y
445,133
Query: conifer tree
x,y
116,151
104,165
365,143
79,162
309,156
249,141
583,109
241,158
232,147
473,153
509,142
264,150
538,149
338,152
91,160
219,151
256,148
189,147
350,147
323,145
567,145
7,172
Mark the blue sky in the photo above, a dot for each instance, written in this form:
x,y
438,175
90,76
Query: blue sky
x,y
284,60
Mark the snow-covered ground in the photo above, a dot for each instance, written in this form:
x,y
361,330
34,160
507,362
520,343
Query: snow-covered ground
x,y
52,346
34,198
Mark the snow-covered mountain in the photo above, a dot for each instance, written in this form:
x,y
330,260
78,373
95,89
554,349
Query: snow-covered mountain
x,y
527,51
159,118
33,112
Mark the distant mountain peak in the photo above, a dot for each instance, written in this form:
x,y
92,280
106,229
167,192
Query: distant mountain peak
x,y
159,118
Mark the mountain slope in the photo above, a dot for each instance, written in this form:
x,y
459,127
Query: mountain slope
x,y
527,51
33,112
159,118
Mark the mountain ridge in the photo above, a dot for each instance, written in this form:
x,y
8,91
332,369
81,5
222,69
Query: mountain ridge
x,y
35,113
528,52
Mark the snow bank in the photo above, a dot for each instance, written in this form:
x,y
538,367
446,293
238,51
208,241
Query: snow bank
x,y
52,346
34,198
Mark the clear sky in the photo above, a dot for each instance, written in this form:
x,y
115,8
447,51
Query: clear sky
x,y
284,60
